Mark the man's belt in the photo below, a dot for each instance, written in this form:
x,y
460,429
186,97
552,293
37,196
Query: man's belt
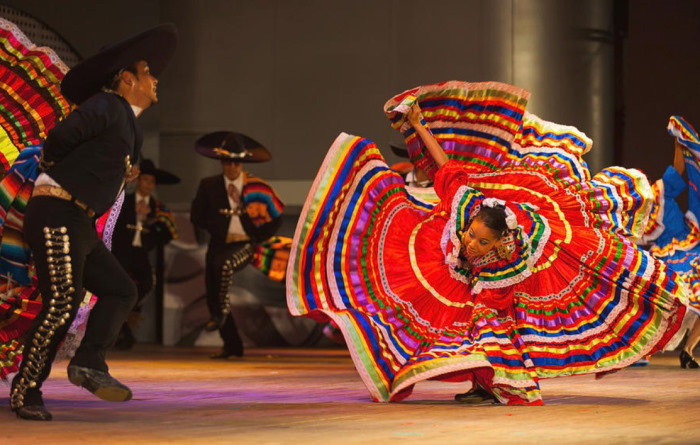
x,y
236,238
58,192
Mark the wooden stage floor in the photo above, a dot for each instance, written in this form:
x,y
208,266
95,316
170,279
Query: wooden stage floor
x,y
314,396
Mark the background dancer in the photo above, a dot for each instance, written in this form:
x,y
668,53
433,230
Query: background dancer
x,y
675,237
238,211
144,224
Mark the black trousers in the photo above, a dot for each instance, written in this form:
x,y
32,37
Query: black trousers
x,y
69,257
221,264
135,262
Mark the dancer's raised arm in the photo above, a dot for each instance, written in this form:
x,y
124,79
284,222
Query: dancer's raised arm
x,y
434,148
678,160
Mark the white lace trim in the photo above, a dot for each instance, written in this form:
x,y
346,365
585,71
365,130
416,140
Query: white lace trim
x,y
76,331
26,42
451,246
111,222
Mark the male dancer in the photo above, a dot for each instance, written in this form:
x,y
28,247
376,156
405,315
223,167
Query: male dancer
x,y
87,158
238,211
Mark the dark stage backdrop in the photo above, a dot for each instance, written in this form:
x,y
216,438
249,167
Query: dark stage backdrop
x,y
293,74
661,79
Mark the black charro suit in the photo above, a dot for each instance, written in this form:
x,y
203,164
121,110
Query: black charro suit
x,y
87,151
86,155
134,259
206,213
211,197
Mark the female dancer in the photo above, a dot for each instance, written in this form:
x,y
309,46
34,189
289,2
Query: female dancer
x,y
522,271
675,237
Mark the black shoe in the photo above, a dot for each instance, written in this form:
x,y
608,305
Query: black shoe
x,y
476,396
224,354
33,412
99,383
213,325
687,361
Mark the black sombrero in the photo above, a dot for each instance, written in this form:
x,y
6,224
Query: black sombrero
x,y
231,146
156,46
147,167
399,150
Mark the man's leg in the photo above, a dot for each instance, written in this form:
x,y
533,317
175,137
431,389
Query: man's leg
x,y
116,296
235,259
139,269
143,274
59,234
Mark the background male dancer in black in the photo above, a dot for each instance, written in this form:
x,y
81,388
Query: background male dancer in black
x,y
238,211
87,158
144,224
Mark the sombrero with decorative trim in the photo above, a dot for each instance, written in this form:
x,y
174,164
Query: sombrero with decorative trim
x,y
231,146
156,46
164,177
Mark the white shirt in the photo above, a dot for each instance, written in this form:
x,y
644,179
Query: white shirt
x,y
44,179
137,233
234,226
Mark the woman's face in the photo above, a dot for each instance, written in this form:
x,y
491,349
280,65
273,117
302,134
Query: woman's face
x,y
478,239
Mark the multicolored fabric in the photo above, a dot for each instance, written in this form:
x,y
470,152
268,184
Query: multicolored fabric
x,y
673,236
271,257
685,134
30,98
476,124
18,307
165,217
371,257
260,200
19,301
10,357
30,105
15,190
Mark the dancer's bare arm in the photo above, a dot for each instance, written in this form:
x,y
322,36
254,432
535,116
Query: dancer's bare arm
x,y
678,161
434,148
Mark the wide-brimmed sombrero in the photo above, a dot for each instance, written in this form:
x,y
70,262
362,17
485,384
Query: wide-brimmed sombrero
x,y
163,177
399,150
231,146
156,46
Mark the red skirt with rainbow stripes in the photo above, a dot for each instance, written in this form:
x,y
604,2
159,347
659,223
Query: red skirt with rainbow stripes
x,y
578,298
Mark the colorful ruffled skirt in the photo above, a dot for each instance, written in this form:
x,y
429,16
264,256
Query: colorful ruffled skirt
x,y
369,256
30,105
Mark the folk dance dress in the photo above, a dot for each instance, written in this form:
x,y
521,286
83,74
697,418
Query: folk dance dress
x,y
674,236
569,295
